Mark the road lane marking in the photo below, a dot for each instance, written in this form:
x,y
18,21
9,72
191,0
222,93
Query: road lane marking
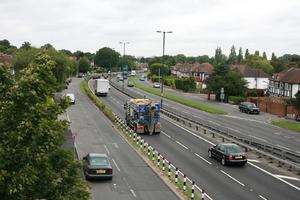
x,y
256,161
133,193
258,138
106,149
165,134
181,144
202,158
116,165
263,197
242,184
283,147
297,188
287,177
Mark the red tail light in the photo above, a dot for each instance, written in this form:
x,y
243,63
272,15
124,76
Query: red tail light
x,y
230,157
109,171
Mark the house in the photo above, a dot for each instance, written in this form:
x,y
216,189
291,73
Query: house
x,y
256,78
5,58
285,83
181,70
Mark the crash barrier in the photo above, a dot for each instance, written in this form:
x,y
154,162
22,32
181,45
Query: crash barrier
x,y
283,157
182,182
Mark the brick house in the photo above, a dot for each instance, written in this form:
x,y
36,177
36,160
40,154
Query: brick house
x,y
285,83
256,78
5,58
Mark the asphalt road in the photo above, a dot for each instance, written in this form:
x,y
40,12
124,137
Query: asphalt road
x,y
133,178
189,152
255,127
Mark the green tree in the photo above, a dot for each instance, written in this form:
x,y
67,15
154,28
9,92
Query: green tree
x,y
157,68
26,45
84,65
265,56
33,165
232,58
240,56
297,100
219,57
67,52
247,53
203,59
180,58
78,54
256,53
107,58
47,46
6,47
129,61
259,63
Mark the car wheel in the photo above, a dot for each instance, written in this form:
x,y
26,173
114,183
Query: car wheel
x,y
209,154
223,161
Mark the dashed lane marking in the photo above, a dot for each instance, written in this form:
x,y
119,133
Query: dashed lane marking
x,y
106,149
116,165
181,144
263,197
242,184
166,134
202,158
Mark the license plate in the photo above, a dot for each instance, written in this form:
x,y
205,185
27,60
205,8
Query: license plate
x,y
238,157
100,171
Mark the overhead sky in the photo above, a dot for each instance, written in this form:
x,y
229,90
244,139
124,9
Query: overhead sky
x,y
199,26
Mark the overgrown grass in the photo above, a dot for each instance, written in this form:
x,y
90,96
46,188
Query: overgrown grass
x,y
293,126
180,100
107,111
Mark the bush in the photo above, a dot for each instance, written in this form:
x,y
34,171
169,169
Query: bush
x,y
169,81
236,100
185,84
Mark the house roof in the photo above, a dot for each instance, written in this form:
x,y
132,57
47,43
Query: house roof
x,y
291,75
246,71
5,58
196,67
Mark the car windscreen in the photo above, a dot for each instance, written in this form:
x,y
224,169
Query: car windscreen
x,y
102,161
233,149
252,106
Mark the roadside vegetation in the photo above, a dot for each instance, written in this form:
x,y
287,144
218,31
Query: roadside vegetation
x,y
293,126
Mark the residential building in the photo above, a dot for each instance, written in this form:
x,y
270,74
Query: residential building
x,y
285,83
5,58
256,78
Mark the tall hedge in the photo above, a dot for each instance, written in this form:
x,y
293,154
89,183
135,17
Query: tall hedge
x,y
185,84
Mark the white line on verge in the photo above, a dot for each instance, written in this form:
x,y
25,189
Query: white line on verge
x,y
181,145
133,193
106,149
263,197
287,177
202,158
116,165
256,161
242,184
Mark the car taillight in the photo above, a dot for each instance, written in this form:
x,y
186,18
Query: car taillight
x,y
230,157
109,171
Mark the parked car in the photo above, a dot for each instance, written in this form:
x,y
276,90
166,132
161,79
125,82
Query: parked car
x,y
129,84
71,97
297,117
80,75
248,107
156,85
228,153
143,78
97,165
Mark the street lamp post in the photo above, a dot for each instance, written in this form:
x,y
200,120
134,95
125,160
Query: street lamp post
x,y
162,82
124,45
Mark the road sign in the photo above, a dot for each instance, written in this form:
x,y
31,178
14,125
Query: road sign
x,y
125,67
222,90
222,96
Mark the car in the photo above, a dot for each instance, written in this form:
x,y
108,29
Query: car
x,y
156,85
121,78
97,165
129,84
143,78
297,117
71,97
248,107
228,153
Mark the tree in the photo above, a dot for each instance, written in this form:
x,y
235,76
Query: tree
x,y
247,53
203,59
265,56
107,58
273,57
256,53
180,58
65,51
25,45
240,56
219,57
78,54
33,165
159,68
47,46
297,100
83,65
259,63
232,58
6,47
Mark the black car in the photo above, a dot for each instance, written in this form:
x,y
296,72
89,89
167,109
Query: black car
x,y
228,153
248,107
97,165
129,84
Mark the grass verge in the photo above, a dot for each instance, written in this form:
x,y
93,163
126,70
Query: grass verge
x,y
293,126
180,100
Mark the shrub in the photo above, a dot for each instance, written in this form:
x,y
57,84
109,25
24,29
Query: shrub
x,y
236,100
185,84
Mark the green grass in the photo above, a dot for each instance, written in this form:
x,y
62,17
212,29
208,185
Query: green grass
x,y
183,101
294,126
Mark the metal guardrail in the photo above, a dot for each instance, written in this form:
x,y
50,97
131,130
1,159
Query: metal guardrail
x,y
283,156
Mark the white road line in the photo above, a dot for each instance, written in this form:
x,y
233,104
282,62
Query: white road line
x,y
181,144
202,158
106,149
165,134
116,165
242,184
297,188
258,138
255,161
212,122
133,193
282,146
287,177
263,197
233,129
191,132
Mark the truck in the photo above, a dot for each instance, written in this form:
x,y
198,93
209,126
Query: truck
x,y
143,116
101,87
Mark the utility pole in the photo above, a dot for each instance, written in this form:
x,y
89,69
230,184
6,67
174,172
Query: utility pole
x,y
124,45
162,80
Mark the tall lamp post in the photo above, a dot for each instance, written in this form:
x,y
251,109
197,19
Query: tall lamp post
x,y
162,82
124,45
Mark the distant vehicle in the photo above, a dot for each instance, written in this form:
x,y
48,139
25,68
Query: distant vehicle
x,y
101,87
248,107
71,97
156,85
143,115
133,72
120,78
97,165
80,75
228,153
143,78
129,84
297,117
